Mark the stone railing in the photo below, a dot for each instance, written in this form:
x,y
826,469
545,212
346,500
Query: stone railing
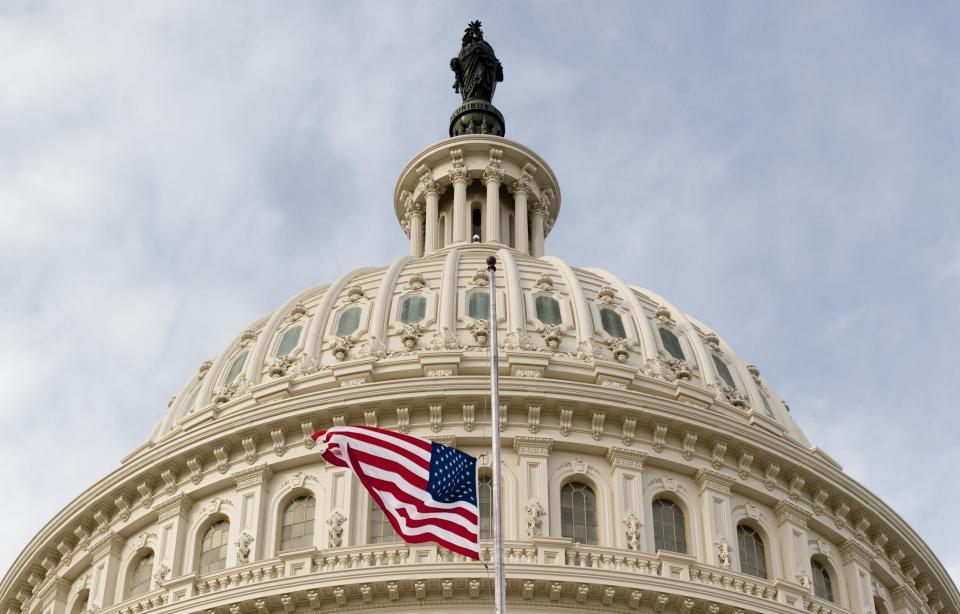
x,y
612,560
241,576
815,605
733,581
141,603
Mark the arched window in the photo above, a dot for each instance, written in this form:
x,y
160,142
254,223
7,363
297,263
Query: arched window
x,y
612,323
671,344
822,585
752,558
476,223
236,368
297,529
485,499
669,528
288,341
81,603
412,309
140,576
348,322
478,305
548,310
578,513
381,531
213,548
723,371
766,405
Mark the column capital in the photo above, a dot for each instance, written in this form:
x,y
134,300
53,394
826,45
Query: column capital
x,y
853,551
109,544
787,511
458,172
905,598
177,505
494,170
56,588
252,476
714,480
532,446
626,458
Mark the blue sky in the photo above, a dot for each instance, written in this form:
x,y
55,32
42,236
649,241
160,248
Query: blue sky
x,y
786,172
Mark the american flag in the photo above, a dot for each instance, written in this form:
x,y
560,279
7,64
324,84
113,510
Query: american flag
x,y
427,490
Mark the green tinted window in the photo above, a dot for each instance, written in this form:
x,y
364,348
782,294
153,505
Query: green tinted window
x,y
548,310
723,371
671,344
236,368
288,341
412,309
612,323
349,322
478,305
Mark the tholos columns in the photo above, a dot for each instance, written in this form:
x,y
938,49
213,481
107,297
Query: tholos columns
x,y
432,195
416,229
537,211
492,177
520,191
460,178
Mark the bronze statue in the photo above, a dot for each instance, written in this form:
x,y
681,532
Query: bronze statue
x,y
477,68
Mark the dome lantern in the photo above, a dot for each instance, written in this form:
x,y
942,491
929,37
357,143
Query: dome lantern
x,y
502,192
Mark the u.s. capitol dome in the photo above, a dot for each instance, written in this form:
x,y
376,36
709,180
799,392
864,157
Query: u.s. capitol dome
x,y
647,466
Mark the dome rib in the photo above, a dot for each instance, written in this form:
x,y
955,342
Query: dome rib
x,y
378,323
583,318
515,316
254,367
448,293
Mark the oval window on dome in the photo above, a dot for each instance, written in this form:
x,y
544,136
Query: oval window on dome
x,y
288,341
671,344
236,367
548,310
348,322
612,323
478,305
723,371
412,309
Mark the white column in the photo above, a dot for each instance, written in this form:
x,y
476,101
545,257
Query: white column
x,y
492,177
856,571
105,555
717,523
433,218
532,454
792,528
172,519
626,467
536,222
251,489
459,177
520,192
414,216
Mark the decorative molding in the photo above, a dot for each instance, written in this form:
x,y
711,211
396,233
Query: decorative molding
x,y
659,437
628,431
819,501
403,419
714,480
533,418
744,461
596,424
178,505
796,486
252,476
853,551
566,421
770,475
689,444
469,416
787,511
717,454
623,457
532,446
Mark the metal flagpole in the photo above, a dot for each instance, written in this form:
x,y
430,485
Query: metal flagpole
x,y
500,589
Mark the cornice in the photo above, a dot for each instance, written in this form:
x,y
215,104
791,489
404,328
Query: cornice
x,y
714,480
109,544
626,458
177,505
787,511
252,476
853,551
532,446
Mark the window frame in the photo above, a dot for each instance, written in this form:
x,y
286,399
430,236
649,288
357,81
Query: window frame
x,y
684,515
207,526
373,512
757,535
282,509
281,335
132,569
829,593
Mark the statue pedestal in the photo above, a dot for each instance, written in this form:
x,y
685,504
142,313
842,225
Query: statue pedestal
x,y
476,116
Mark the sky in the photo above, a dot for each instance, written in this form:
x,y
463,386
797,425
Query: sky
x,y
785,172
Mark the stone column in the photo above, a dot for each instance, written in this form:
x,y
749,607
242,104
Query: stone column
x,y
415,219
856,571
105,563
171,536
626,467
534,498
492,177
432,241
718,529
460,178
537,211
792,535
520,192
252,490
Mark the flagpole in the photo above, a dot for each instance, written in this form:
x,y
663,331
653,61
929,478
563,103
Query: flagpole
x,y
500,588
